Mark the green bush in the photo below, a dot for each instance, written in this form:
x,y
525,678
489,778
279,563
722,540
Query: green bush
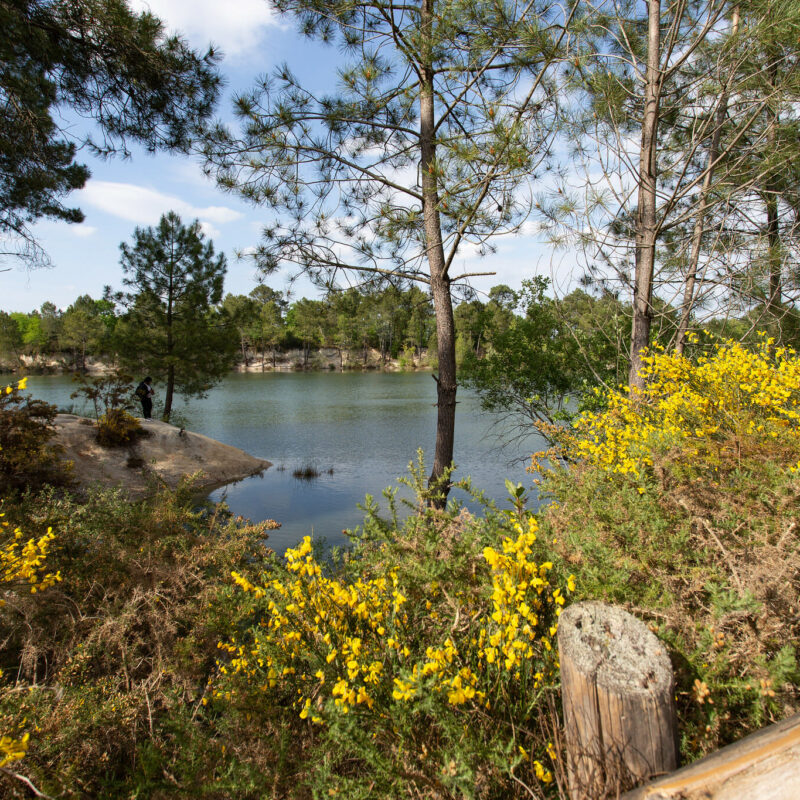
x,y
117,427
418,664
28,457
108,668
682,505
107,391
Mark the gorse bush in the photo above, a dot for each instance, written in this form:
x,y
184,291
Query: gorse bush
x,y
107,668
23,568
682,503
420,664
706,411
28,457
422,661
116,428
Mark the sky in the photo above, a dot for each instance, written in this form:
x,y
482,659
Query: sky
x,y
122,194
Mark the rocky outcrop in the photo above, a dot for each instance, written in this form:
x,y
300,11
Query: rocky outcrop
x,y
165,454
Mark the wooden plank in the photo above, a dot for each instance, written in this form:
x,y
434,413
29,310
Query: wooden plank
x,y
762,766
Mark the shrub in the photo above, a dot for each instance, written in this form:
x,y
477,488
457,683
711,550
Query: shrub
x,y
709,412
681,504
22,568
117,427
406,358
113,390
28,458
110,665
420,663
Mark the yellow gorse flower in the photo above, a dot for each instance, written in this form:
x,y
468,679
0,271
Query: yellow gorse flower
x,y
733,394
12,749
354,647
22,563
22,566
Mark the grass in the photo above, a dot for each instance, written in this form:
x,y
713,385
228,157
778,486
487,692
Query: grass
x,y
310,471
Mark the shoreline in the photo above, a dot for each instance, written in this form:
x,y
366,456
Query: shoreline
x,y
321,360
164,455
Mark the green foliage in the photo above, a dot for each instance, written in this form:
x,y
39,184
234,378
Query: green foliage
x,y
172,329
28,459
11,339
400,665
100,59
111,395
682,503
112,390
405,358
537,367
116,427
115,660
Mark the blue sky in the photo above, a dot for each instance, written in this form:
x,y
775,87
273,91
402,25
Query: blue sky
x,y
122,194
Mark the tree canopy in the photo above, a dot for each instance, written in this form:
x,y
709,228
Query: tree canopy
x,y
94,59
172,330
435,125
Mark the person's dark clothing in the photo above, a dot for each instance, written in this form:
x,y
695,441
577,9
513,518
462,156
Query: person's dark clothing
x,y
145,393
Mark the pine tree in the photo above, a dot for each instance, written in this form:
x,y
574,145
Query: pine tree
x,y
171,329
95,59
436,124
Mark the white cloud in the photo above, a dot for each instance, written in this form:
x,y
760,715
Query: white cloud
x,y
236,27
145,206
208,230
82,230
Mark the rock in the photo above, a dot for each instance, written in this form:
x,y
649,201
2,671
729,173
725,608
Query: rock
x,y
166,452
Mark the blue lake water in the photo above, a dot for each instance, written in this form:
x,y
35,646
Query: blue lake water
x,y
359,430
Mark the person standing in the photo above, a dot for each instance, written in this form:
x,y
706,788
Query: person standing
x,y
144,391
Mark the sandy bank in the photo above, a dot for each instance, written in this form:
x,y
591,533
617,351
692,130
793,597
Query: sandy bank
x,y
167,453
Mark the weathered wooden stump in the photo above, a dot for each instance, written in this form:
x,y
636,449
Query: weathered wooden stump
x,y
618,695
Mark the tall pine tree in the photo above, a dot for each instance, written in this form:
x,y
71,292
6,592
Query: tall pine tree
x,y
171,329
420,153
99,60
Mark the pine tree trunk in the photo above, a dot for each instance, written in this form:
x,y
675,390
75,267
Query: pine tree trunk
x,y
440,282
170,339
646,222
169,393
771,193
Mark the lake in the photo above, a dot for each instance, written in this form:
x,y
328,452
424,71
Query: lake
x,y
359,430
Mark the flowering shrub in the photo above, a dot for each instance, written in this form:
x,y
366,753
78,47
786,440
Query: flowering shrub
x,y
708,409
681,502
22,565
429,667
116,427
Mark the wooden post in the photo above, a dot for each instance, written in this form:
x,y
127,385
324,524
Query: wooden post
x,y
618,695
